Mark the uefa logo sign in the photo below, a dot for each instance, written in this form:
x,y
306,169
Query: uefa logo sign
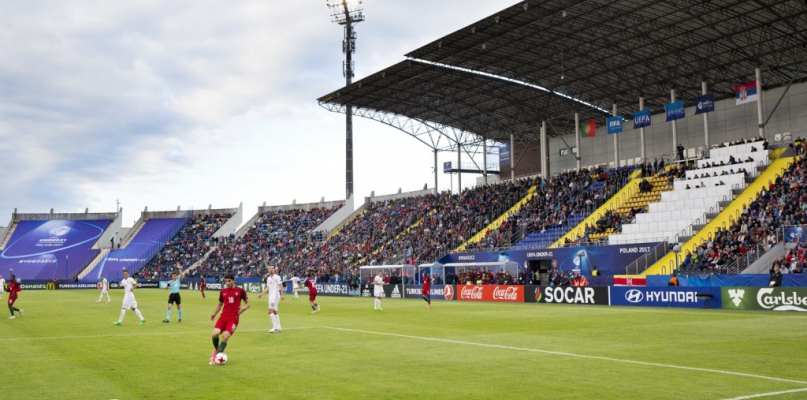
x,y
59,230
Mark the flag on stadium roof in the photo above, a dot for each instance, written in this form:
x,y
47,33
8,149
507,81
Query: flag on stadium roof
x,y
589,128
746,93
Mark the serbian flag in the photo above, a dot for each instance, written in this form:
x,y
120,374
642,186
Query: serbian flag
x,y
589,129
746,93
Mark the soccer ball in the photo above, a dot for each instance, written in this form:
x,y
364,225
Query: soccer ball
x,y
220,359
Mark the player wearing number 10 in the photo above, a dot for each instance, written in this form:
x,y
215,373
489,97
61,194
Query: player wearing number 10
x,y
230,299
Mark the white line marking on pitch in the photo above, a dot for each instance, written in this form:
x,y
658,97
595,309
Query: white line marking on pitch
x,y
754,396
560,353
140,334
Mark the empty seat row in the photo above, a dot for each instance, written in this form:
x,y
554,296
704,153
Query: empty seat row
x,y
702,203
689,214
647,237
693,193
736,149
652,227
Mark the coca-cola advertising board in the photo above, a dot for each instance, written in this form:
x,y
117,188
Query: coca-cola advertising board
x,y
503,293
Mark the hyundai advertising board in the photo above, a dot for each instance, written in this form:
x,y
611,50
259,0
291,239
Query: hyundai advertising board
x,y
688,297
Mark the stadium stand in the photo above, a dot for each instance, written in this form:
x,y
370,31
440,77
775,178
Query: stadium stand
x,y
275,238
698,192
780,204
562,203
187,246
455,219
144,245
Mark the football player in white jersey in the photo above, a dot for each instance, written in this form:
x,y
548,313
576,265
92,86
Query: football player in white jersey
x,y
2,286
378,290
104,286
295,285
274,287
129,284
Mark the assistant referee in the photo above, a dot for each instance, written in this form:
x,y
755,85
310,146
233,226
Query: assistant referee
x,y
174,297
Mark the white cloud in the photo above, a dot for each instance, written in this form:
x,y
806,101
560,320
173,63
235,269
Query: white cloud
x,y
194,103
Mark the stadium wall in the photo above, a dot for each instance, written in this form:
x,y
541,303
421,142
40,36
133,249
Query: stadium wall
x,y
728,122
338,217
232,224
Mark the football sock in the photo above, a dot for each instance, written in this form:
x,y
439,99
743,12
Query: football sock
x,y
222,345
216,342
10,308
168,314
277,319
314,308
122,314
428,299
180,314
139,315
272,318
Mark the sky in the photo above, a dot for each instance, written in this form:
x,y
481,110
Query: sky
x,y
195,103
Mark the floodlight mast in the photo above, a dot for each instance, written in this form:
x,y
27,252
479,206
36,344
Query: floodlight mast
x,y
347,13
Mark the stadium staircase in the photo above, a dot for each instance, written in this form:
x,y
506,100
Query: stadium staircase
x,y
481,235
724,219
398,236
93,263
344,223
9,232
614,202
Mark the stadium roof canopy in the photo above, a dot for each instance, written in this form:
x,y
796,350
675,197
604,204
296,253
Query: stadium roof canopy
x,y
544,60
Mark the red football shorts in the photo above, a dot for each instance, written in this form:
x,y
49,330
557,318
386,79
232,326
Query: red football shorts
x,y
227,324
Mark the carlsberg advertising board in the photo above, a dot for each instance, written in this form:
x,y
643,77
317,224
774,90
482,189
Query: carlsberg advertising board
x,y
770,299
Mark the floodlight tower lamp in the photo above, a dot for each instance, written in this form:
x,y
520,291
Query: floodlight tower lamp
x,y
347,13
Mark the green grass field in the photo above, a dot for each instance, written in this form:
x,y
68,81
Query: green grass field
x,y
65,347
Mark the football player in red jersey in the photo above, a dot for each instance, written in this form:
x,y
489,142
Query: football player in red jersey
x,y
202,286
426,293
230,299
13,289
312,292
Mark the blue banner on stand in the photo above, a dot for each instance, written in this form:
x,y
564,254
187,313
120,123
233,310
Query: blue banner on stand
x,y
641,119
614,125
675,111
504,155
705,103
793,235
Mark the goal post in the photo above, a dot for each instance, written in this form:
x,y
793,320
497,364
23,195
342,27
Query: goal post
x,y
396,277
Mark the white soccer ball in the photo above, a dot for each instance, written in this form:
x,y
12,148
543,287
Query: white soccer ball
x,y
220,359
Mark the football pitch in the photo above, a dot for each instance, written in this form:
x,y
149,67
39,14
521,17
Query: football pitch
x,y
66,347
